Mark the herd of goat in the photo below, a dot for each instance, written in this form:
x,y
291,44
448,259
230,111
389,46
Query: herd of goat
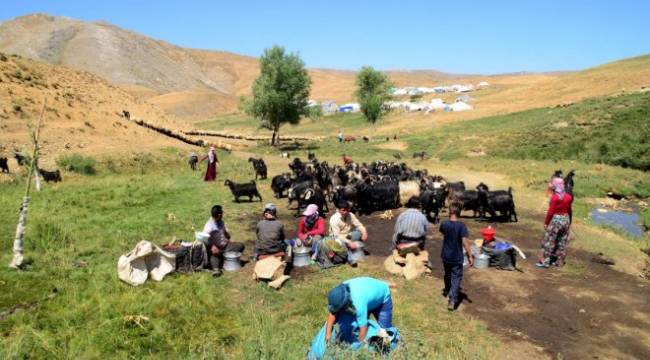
x,y
48,176
377,186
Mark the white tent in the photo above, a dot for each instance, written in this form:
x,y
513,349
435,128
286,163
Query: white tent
x,y
483,83
436,104
418,106
460,106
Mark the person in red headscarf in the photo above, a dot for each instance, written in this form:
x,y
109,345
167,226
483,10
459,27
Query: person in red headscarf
x,y
211,172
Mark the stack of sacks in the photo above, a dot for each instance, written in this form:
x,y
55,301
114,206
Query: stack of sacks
x,y
271,269
411,265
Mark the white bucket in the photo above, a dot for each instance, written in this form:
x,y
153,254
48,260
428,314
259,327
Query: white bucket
x,y
232,261
481,261
301,256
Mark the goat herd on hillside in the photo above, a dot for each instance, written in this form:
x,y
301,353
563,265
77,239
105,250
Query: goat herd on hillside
x,y
372,187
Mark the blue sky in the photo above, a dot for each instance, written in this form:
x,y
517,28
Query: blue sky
x,y
484,37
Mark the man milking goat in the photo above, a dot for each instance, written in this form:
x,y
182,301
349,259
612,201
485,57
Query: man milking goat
x,y
410,229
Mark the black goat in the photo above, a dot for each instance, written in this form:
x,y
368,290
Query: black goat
x,y
420,155
193,159
260,168
20,158
48,176
312,195
432,201
4,166
279,184
311,156
493,201
469,199
247,189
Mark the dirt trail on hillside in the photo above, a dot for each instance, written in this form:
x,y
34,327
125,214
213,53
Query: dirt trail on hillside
x,y
585,310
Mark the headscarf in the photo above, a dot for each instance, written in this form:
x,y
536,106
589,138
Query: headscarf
x,y
311,215
557,184
211,155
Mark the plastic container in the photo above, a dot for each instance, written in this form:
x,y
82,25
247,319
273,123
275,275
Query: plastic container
x,y
202,237
301,256
488,234
232,261
357,254
481,261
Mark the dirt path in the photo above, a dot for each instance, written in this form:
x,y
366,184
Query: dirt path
x,y
584,310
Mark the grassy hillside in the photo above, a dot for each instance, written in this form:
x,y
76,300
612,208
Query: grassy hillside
x,y
610,130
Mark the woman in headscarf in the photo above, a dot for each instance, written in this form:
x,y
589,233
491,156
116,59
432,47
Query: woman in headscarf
x,y
211,172
311,228
557,227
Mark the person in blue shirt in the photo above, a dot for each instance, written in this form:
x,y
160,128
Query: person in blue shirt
x,y
362,296
456,236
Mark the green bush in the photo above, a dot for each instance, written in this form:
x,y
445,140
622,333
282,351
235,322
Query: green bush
x,y
77,163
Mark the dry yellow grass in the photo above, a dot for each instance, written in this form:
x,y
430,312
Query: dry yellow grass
x,y
83,113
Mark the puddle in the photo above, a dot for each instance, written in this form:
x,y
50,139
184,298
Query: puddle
x,y
626,221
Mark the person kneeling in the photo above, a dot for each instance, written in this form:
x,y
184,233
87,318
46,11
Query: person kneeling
x,y
311,229
360,296
219,241
346,228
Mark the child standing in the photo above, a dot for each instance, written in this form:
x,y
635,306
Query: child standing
x,y
456,236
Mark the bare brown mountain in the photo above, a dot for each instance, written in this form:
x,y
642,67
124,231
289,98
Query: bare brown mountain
x,y
83,112
188,83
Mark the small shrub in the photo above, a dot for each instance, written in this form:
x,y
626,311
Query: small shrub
x,y
77,163
3,57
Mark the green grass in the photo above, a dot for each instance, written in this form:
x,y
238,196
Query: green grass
x,y
77,230
326,126
610,130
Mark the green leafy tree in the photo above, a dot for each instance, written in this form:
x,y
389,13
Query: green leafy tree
x,y
281,92
372,92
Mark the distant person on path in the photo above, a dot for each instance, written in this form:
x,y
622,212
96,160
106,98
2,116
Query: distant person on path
x,y
361,296
339,136
410,228
219,241
557,226
270,233
211,171
456,236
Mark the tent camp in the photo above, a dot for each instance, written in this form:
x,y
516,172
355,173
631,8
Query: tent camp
x,y
460,106
464,98
483,83
350,108
436,104
329,107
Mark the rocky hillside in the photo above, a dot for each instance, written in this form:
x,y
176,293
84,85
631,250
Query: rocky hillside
x,y
83,112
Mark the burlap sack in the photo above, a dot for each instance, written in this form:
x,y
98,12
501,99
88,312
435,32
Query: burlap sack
x,y
269,268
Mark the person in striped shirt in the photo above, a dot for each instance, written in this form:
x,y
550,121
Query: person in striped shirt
x,y
410,228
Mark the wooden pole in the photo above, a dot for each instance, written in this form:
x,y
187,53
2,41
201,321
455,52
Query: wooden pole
x,y
17,260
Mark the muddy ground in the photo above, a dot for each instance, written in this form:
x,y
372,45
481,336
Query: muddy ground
x,y
583,310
